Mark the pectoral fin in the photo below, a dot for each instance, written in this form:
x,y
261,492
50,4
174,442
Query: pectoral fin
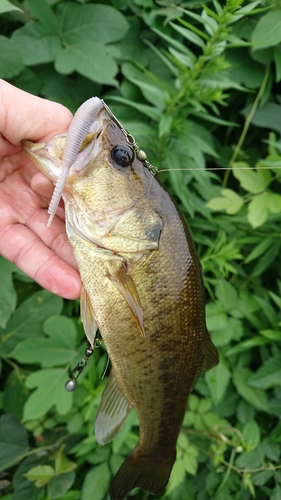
x,y
112,413
87,316
124,283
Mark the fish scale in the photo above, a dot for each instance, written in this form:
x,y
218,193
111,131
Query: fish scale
x,y
142,284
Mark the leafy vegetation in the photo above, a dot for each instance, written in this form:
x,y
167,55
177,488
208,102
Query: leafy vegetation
x,y
197,86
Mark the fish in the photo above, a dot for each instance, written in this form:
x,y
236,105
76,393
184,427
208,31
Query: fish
x,y
142,288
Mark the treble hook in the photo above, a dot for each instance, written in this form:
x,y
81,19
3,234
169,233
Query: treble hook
x,y
74,374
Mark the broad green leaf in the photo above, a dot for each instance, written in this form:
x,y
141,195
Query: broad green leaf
x,y
13,441
269,375
177,476
56,350
59,485
150,89
254,181
267,32
6,6
277,60
266,117
27,321
256,397
99,23
90,59
8,298
14,395
22,488
97,480
276,494
50,392
35,44
218,379
226,295
230,202
40,474
43,12
271,334
251,435
11,63
258,210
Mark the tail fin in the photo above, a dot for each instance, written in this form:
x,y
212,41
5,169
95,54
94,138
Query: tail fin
x,y
147,472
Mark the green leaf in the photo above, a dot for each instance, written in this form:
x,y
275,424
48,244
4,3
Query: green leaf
x,y
6,6
246,345
11,63
97,480
269,375
254,396
251,435
50,392
258,210
36,44
28,319
8,297
43,12
230,202
40,474
267,32
226,294
99,23
189,35
56,350
14,395
260,249
276,494
218,379
254,181
177,476
13,441
277,60
59,485
22,488
90,59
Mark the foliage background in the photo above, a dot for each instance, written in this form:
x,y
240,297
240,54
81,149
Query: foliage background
x,y
198,86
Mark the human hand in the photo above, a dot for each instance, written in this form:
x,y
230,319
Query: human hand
x,y
43,253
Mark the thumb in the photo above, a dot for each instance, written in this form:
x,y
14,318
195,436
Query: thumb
x,y
24,116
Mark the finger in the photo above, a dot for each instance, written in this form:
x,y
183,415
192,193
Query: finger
x,y
27,251
24,116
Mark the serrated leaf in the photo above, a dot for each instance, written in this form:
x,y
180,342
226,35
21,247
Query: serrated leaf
x,y
6,6
99,23
90,59
230,202
251,435
13,441
11,63
253,181
254,396
218,379
50,392
35,44
56,350
97,480
269,375
267,32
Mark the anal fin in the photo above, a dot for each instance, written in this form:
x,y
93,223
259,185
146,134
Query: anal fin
x,y
124,283
112,413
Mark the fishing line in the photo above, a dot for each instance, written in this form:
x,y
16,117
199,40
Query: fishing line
x,y
214,169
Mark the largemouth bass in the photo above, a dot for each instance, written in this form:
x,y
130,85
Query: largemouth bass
x,y
142,288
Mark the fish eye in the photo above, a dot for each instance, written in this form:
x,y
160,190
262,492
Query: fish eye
x,y
123,155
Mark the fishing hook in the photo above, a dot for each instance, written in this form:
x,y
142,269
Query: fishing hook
x,y
74,374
